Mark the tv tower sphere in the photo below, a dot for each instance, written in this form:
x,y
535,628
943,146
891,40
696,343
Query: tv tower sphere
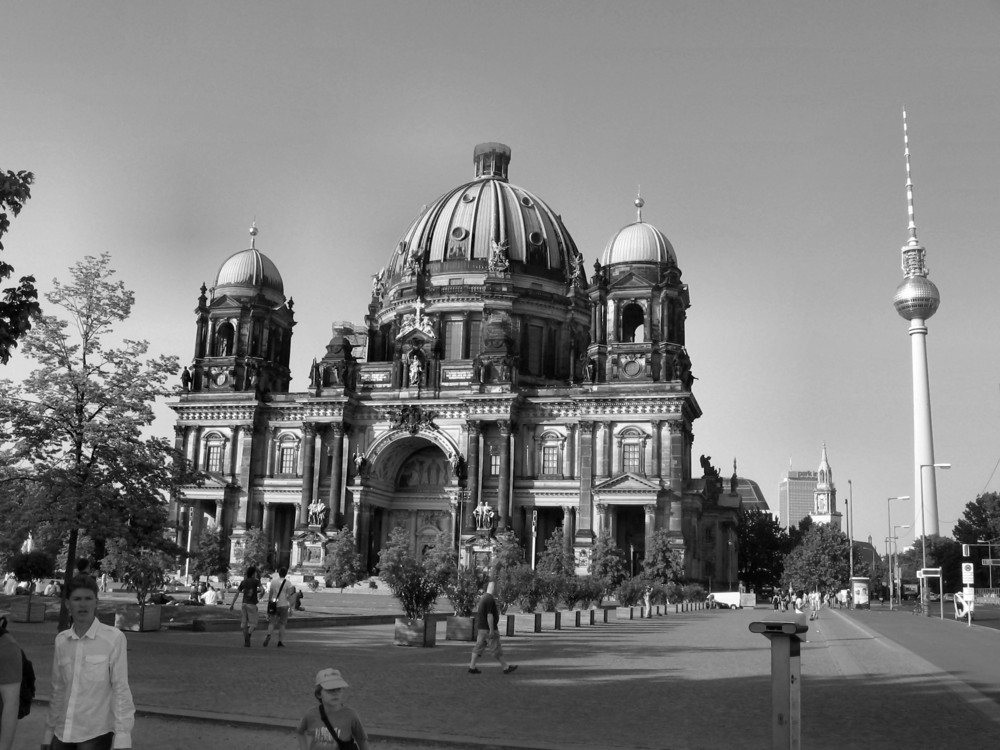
x,y
917,298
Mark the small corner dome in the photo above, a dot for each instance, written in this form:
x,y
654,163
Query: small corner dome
x,y
250,272
639,243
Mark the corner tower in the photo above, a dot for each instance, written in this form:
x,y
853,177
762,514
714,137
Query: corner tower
x,y
916,300
825,495
244,331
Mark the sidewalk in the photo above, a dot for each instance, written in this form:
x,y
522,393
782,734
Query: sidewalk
x,y
682,682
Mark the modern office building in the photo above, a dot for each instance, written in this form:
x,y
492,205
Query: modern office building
x,y
494,382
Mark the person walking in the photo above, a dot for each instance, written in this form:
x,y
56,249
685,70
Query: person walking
x,y
10,684
279,601
331,724
488,634
251,589
91,706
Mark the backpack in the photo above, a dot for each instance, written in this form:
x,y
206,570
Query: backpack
x,y
27,694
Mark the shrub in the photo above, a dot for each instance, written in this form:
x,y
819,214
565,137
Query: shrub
x,y
343,563
406,578
441,561
464,591
694,592
27,566
143,570
526,586
630,591
583,591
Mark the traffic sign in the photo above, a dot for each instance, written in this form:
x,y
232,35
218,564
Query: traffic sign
x,y
931,572
991,561
968,573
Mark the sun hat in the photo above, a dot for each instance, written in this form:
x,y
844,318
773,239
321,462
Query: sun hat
x,y
330,679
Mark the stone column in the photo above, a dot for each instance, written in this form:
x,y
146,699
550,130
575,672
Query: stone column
x,y
336,515
650,511
356,529
272,449
180,435
234,453
609,446
654,464
585,471
308,457
568,529
601,526
453,505
570,453
475,471
503,485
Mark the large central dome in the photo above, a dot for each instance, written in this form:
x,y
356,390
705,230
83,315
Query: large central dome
x,y
462,230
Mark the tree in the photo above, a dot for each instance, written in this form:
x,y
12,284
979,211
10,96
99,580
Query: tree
x,y
820,562
211,558
607,563
763,544
18,304
77,422
143,570
554,570
343,562
980,522
256,552
662,563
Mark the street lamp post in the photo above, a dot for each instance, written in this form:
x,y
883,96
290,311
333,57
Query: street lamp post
x,y
895,554
892,574
850,535
924,601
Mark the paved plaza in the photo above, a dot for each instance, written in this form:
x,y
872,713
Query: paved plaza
x,y
681,682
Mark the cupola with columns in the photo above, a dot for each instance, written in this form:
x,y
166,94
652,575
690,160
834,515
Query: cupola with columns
x,y
244,328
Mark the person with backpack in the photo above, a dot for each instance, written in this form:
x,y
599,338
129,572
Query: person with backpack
x,y
10,684
91,707
279,600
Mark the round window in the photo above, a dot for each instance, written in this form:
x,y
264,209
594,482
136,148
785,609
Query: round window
x,y
459,233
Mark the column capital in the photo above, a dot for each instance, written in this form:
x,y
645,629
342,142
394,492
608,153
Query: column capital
x,y
475,427
309,429
649,508
504,425
335,429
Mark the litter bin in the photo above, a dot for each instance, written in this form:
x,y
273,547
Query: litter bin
x,y
859,593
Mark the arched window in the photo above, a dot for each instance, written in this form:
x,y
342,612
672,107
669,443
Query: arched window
x,y
287,455
549,454
632,449
224,336
214,453
633,322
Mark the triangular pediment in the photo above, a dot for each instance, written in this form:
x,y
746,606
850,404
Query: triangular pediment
x,y
629,281
627,483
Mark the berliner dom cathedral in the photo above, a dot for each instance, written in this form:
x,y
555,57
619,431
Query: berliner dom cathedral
x,y
504,381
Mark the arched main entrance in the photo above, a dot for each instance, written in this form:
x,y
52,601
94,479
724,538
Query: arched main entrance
x,y
410,486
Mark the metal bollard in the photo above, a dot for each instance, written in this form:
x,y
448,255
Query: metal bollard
x,y
786,679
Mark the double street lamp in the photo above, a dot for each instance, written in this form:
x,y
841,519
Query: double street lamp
x,y
923,532
888,505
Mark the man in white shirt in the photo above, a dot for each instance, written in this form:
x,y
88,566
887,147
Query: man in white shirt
x,y
211,595
91,706
279,591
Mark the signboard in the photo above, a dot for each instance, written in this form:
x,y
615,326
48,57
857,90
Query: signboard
x,y
968,573
991,561
929,573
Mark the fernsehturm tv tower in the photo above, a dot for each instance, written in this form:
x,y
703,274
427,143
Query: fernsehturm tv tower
x,y
916,300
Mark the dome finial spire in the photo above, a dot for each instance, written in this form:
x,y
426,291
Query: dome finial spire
x,y
253,234
639,203
912,226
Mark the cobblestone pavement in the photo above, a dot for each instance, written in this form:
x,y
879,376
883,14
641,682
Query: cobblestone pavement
x,y
682,682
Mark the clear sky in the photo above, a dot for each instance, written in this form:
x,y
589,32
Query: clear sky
x,y
766,137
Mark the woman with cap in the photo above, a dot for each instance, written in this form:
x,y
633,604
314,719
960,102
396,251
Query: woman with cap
x,y
331,725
